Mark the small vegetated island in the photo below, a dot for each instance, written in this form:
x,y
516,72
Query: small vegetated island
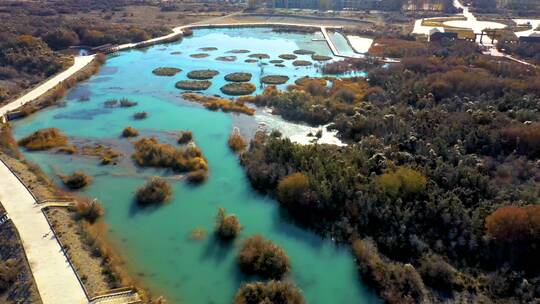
x,y
166,71
226,58
303,52
259,56
238,88
288,56
302,63
193,85
238,51
275,79
199,55
202,74
208,49
238,77
317,57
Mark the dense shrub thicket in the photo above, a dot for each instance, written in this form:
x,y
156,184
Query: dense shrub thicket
x,y
76,180
263,257
236,142
156,190
89,210
149,152
44,139
227,225
440,178
271,292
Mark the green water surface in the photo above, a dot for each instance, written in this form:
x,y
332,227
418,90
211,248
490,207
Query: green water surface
x,y
156,242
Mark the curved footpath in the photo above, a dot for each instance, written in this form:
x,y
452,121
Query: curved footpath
x,y
56,281
79,63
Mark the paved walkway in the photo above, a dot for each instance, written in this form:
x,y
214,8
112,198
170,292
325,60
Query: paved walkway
x,y
55,279
80,62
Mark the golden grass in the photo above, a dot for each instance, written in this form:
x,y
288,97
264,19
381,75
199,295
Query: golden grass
x,y
44,139
215,103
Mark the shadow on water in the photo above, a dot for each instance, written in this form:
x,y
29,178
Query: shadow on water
x,y
82,114
136,209
284,223
217,249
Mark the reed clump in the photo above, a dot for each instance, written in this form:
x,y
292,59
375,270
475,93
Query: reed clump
x,y
271,292
76,180
140,115
87,209
215,103
149,152
156,190
185,137
197,177
236,142
263,257
130,132
44,139
227,225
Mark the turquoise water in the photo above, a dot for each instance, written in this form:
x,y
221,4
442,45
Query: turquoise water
x,y
156,242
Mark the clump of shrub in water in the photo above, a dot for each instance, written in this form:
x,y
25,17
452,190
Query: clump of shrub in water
x,y
197,177
236,141
149,152
90,210
156,190
263,257
130,132
76,180
227,226
140,115
271,292
185,137
123,102
43,139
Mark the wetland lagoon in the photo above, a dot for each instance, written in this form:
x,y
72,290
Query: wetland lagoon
x,y
157,243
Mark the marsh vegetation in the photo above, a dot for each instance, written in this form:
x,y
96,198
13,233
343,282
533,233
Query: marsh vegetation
x,y
156,190
263,257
